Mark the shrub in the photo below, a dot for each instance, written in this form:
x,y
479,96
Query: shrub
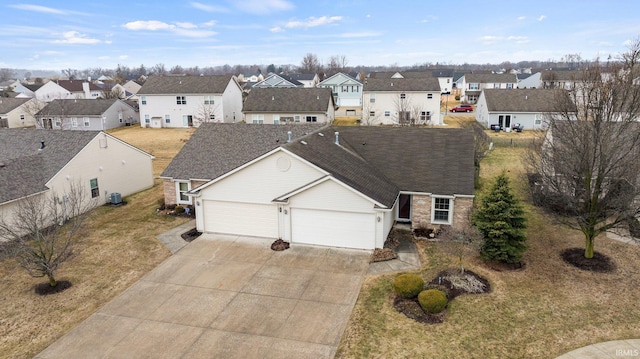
x,y
161,204
179,209
457,97
432,300
408,285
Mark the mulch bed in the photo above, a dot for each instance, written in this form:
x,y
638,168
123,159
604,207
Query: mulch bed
x,y
190,235
411,308
279,245
428,233
505,267
46,289
383,254
599,263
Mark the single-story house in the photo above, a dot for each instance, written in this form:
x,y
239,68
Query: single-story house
x,y
16,112
44,162
526,107
275,105
87,115
335,186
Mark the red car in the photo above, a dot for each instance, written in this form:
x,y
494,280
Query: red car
x,y
462,108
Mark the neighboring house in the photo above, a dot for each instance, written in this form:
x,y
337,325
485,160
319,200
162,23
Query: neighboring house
x,y
277,105
527,107
562,79
530,81
347,94
335,186
87,115
275,80
45,162
307,80
473,84
27,90
67,89
132,87
254,78
401,100
444,76
16,112
185,101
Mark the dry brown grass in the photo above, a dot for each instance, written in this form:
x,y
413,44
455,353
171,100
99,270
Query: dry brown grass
x,y
120,248
545,310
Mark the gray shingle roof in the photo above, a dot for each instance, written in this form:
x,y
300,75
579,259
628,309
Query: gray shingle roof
x,y
217,148
521,100
8,104
406,84
167,85
491,78
26,168
79,107
294,99
562,75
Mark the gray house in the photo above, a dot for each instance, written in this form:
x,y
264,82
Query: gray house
x,y
507,108
87,114
276,105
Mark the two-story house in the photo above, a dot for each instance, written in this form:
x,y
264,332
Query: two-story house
x,y
275,80
347,93
473,84
67,89
401,101
279,105
185,101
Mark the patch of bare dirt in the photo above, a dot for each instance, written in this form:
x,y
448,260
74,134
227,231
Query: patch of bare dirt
x,y
46,289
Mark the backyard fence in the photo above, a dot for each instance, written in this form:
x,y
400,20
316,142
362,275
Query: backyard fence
x,y
513,142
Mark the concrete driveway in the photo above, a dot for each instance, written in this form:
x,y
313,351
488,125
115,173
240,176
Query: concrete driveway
x,y
227,297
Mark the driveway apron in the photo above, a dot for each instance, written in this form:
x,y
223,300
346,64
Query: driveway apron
x,y
227,297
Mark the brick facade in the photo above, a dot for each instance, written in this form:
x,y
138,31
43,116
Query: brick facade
x,y
169,187
421,211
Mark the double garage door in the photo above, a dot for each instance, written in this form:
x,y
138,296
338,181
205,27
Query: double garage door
x,y
307,226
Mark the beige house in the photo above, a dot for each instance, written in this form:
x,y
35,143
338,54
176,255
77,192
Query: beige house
x,y
17,112
332,186
277,105
36,162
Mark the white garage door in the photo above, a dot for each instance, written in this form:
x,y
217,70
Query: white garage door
x,y
330,228
248,219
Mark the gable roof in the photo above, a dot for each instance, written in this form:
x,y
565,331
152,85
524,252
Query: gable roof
x,y
295,99
521,100
341,77
76,85
26,168
490,78
217,148
78,107
167,85
8,104
402,84
275,80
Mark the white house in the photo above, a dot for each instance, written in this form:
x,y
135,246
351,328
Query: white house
x,y
276,105
347,94
275,80
87,115
473,84
185,101
400,100
335,186
527,107
530,81
17,112
67,89
45,162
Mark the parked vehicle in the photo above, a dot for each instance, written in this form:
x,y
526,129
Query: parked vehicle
x,y
462,108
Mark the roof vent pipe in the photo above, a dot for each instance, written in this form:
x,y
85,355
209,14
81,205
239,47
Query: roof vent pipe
x,y
337,138
288,136
42,145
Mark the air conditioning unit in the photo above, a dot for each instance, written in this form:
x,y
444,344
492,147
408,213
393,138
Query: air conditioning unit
x,y
116,198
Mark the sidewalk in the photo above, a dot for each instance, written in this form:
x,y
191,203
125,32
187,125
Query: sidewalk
x,y
408,259
613,349
172,239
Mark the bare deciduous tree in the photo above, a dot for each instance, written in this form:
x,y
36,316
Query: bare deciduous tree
x,y
587,168
206,113
310,64
460,242
44,228
6,74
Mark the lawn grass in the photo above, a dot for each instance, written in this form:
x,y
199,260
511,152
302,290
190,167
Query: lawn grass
x,y
119,249
543,311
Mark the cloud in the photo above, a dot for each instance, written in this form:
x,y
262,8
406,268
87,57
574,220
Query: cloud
x,y
38,8
74,38
519,39
123,57
359,34
263,7
186,29
211,23
276,29
208,8
489,40
542,17
312,22
520,18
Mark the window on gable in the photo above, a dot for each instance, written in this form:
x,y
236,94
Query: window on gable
x,y
441,210
21,117
95,190
181,100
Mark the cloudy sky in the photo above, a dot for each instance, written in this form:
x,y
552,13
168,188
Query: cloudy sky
x,y
80,34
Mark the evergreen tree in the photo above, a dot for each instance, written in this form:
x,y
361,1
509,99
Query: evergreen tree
x,y
500,218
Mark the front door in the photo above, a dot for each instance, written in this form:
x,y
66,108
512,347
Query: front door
x,y
404,208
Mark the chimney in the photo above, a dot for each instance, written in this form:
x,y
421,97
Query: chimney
x,y
337,138
288,136
86,90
